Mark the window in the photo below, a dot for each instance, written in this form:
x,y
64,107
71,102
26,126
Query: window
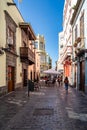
x,y
76,32
82,25
61,46
42,47
82,28
24,44
42,59
10,38
36,45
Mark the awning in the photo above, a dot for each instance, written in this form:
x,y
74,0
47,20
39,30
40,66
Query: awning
x,y
51,71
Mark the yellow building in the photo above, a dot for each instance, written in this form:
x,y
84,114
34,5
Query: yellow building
x,y
15,54
45,60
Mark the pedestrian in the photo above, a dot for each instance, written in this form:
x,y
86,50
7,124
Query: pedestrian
x,y
61,80
66,82
54,80
58,81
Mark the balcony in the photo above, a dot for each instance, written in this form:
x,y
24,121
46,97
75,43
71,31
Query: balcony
x,y
79,46
78,40
27,55
81,51
28,30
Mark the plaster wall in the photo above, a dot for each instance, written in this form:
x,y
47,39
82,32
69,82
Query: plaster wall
x,y
17,17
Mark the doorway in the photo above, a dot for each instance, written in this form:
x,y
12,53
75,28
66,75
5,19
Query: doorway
x,y
31,75
75,73
25,77
82,76
10,78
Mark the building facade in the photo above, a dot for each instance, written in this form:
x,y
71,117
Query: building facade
x,y
45,60
27,52
49,61
15,56
66,50
79,40
74,56
60,52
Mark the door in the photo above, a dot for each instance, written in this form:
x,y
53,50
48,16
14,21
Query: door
x,y
31,75
10,78
75,75
25,78
82,76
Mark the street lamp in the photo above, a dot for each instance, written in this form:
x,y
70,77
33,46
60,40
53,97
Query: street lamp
x,y
6,49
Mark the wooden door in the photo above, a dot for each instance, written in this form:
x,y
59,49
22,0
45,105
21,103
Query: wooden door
x,y
25,78
10,78
31,76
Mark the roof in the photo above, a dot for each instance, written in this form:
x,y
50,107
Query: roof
x,y
28,29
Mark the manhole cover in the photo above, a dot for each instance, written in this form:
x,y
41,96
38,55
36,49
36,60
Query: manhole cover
x,y
43,111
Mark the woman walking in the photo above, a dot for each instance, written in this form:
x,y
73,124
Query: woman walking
x,y
66,82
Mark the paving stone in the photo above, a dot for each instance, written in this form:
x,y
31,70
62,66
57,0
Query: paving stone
x,y
48,109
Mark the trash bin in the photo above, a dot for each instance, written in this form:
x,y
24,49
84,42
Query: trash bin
x,y
30,85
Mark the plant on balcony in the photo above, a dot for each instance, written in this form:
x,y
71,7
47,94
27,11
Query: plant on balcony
x,y
75,44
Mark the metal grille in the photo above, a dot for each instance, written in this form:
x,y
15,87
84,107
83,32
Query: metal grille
x,y
43,111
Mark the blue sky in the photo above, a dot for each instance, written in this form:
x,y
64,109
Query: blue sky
x,y
46,18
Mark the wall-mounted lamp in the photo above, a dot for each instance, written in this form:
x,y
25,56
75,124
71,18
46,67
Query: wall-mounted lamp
x,y
1,51
34,48
78,39
11,4
31,43
6,49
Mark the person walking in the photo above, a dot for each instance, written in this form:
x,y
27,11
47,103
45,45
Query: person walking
x,y
58,81
66,82
61,80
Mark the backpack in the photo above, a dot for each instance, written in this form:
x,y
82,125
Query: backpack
x,y
66,81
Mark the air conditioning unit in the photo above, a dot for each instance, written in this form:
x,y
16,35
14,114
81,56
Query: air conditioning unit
x,y
10,41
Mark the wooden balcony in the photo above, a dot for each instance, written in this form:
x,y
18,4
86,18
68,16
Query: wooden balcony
x,y
27,55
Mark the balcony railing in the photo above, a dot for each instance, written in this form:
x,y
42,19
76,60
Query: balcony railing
x,y
27,55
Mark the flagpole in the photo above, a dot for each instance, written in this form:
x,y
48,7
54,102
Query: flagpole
x,y
19,1
18,4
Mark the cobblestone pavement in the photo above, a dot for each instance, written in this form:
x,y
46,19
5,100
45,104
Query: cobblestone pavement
x,y
50,108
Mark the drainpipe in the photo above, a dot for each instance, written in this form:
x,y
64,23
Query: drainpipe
x,y
72,58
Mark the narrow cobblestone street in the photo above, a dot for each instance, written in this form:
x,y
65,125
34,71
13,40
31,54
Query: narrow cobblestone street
x,y
50,108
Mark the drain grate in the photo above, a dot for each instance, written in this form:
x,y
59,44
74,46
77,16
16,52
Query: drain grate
x,y
43,111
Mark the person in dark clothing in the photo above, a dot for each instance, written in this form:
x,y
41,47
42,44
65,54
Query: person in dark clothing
x,y
66,82
61,80
58,80
54,80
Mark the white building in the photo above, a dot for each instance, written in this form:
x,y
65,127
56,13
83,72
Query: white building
x,y
79,40
60,50
67,40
